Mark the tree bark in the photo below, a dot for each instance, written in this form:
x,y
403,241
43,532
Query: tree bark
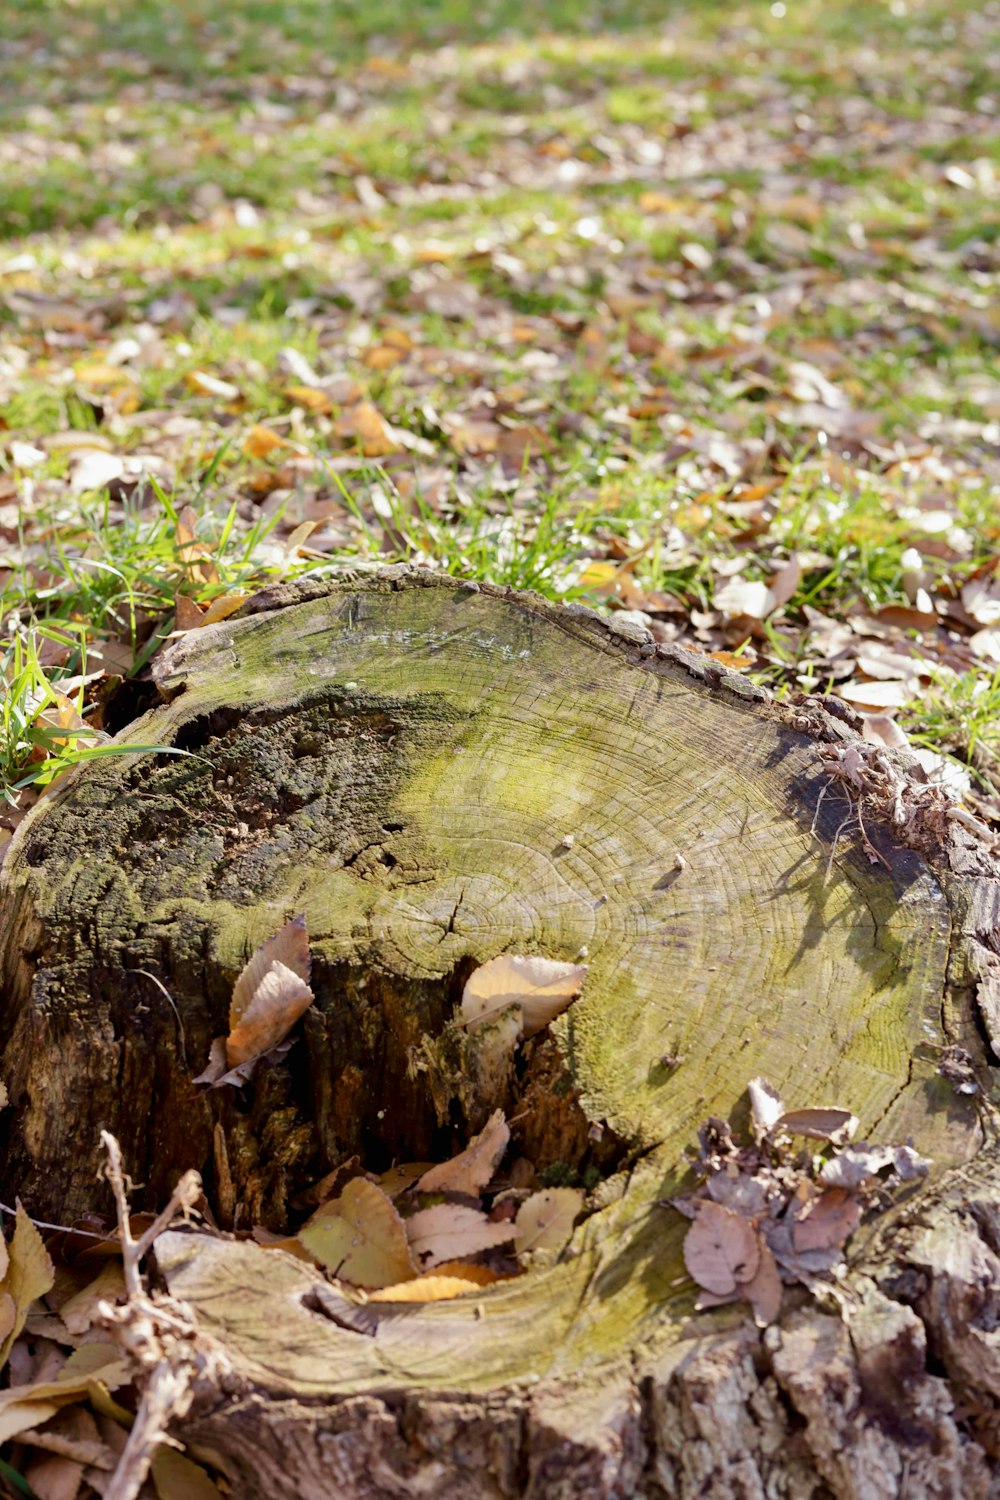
x,y
436,773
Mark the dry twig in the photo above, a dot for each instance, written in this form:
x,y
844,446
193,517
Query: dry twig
x,y
157,1332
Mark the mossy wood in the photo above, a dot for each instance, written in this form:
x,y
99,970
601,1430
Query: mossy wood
x,y
434,774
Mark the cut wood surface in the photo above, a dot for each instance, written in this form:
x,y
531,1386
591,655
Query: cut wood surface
x,y
435,774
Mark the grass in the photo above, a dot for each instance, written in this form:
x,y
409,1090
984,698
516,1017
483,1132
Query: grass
x,y
651,294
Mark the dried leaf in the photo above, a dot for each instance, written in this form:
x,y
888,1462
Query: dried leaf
x,y
431,1288
470,1270
854,1165
744,596
400,1178
765,1106
785,581
721,1249
222,608
93,471
204,384
175,1477
93,1366
472,1169
310,397
827,1221
365,425
836,1125
80,1312
187,614
542,987
260,441
29,1274
449,1231
763,1290
545,1220
270,994
360,1237
54,1477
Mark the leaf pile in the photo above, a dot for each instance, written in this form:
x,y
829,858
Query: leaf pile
x,y
440,1234
764,1215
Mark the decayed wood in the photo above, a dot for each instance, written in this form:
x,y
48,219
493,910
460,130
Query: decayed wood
x,y
434,774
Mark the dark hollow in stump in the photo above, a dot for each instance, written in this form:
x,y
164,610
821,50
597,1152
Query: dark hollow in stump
x,y
434,774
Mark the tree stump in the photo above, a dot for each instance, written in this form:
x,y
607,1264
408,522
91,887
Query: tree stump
x,y
435,773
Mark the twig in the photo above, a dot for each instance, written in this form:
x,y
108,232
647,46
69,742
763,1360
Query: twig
x,y
157,1332
88,1234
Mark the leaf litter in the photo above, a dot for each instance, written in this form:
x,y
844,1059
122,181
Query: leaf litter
x,y
765,1215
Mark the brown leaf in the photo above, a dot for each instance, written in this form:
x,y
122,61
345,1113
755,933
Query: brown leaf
x,y
53,1477
449,1231
763,1290
270,994
187,614
829,1220
837,1125
545,1220
785,581
400,1178
472,1169
365,425
80,1311
360,1237
721,1249
542,987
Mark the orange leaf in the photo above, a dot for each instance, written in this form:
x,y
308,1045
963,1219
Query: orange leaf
x,y
260,441
310,397
425,1289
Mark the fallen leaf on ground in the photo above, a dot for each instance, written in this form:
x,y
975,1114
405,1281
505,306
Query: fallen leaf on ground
x,y
431,1288
27,1273
27,1406
837,1125
472,1169
765,1107
360,1237
449,1231
545,1220
721,1249
176,1477
763,1290
542,987
828,1220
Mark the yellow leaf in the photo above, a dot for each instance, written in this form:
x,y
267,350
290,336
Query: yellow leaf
x,y
260,441
310,397
29,1274
601,576
360,1237
366,425
221,608
425,1289
175,1477
384,356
